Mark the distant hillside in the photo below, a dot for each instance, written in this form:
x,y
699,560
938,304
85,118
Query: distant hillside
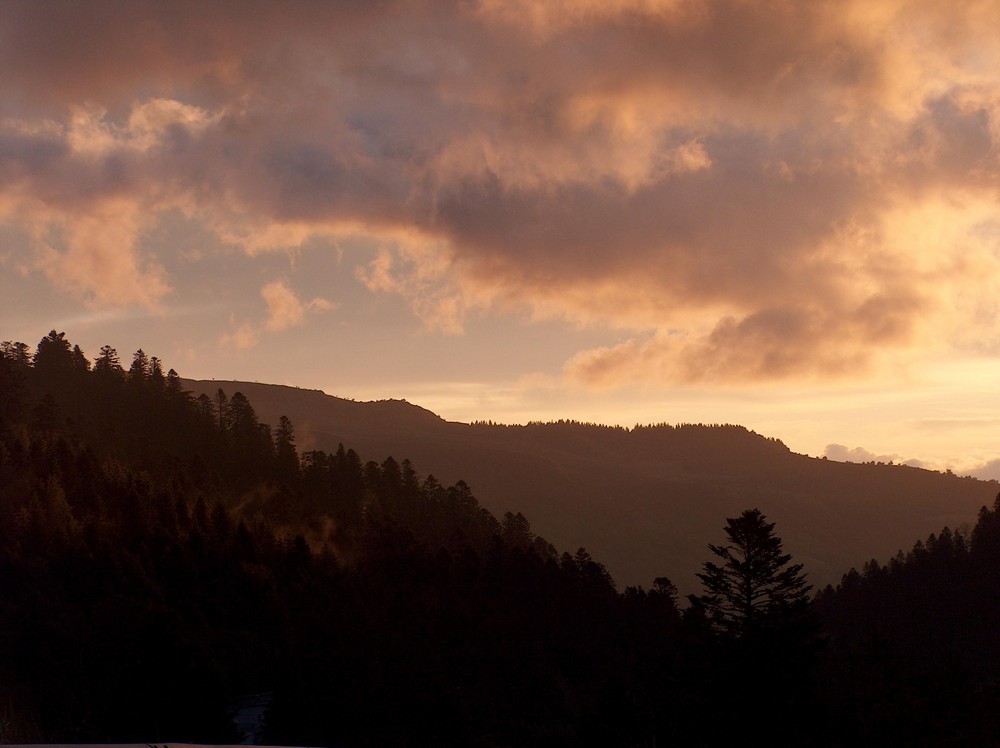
x,y
645,501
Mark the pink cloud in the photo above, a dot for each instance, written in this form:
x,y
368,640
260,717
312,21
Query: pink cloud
x,y
285,310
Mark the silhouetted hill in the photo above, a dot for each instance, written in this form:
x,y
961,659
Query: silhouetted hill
x,y
645,500
165,555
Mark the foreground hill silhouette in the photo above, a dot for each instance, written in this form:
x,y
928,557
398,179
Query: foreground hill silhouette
x,y
643,500
155,566
164,557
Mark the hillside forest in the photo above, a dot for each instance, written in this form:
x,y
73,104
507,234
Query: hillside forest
x,y
166,558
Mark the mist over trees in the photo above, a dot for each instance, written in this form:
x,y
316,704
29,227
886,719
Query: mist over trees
x,y
165,556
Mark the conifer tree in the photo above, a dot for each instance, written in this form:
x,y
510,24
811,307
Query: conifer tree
x,y
140,369
13,397
755,585
287,458
17,353
80,363
156,377
108,365
54,363
221,402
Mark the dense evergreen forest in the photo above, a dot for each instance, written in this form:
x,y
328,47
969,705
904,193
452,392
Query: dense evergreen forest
x,y
571,479
165,556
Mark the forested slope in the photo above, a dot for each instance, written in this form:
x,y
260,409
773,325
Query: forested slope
x,y
164,555
644,499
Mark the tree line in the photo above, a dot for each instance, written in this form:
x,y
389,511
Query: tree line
x,y
165,555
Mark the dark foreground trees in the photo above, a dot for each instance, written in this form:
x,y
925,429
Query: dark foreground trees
x,y
154,568
914,644
760,642
756,584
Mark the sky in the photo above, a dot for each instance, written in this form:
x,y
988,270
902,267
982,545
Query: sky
x,y
778,214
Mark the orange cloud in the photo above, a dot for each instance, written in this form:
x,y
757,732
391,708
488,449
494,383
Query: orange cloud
x,y
243,336
82,192
284,310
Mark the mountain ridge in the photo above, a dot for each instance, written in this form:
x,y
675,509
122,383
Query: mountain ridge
x,y
644,500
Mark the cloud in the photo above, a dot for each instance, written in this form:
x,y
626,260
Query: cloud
x,y
244,336
773,343
100,262
840,453
987,471
747,191
439,302
87,190
284,310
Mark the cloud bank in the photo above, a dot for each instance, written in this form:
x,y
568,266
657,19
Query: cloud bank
x,y
840,453
748,191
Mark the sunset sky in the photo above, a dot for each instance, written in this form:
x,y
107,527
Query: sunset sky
x,y
778,214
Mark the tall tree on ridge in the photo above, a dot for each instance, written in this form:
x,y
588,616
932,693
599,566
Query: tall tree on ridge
x,y
53,362
140,369
108,365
